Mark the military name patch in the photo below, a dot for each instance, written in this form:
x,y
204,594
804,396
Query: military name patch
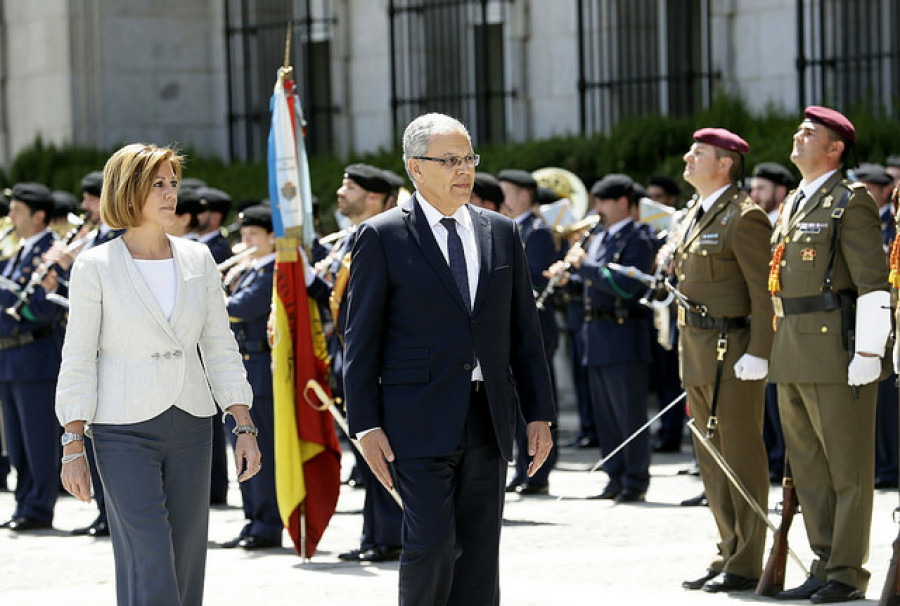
x,y
710,239
808,254
811,227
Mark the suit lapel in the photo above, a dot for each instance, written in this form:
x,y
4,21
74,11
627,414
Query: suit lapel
x,y
484,237
423,236
709,216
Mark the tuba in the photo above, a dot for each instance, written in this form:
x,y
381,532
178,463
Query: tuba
x,y
572,203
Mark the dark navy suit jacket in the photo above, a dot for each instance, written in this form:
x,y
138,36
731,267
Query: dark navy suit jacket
x,y
541,253
411,344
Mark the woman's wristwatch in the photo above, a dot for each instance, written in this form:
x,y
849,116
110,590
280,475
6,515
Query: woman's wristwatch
x,y
69,437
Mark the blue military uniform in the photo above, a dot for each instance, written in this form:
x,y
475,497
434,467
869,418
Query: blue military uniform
x,y
616,337
30,354
248,307
540,253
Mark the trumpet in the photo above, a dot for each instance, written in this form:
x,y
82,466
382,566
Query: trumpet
x,y
335,236
24,296
588,222
555,280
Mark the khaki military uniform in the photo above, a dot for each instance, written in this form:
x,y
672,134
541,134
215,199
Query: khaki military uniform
x,y
722,263
829,434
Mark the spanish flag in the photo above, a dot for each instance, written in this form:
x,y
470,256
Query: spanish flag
x,y
307,453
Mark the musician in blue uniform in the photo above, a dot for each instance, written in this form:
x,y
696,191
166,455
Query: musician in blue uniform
x,y
216,206
61,257
30,345
616,336
248,309
520,204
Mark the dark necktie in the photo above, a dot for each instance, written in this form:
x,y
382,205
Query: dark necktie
x,y
796,204
457,259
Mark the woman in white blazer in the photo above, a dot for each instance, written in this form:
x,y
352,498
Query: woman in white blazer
x,y
147,356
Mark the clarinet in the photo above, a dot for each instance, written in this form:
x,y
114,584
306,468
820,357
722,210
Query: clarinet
x,y
555,280
38,276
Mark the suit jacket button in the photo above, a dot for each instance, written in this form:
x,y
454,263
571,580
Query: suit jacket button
x,y
467,366
155,356
824,329
177,353
167,355
703,252
787,240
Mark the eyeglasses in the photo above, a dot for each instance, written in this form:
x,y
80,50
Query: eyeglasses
x,y
453,161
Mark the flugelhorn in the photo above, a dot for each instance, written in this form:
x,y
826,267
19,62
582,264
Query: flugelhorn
x,y
235,259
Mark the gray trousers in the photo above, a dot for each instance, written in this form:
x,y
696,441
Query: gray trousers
x,y
156,474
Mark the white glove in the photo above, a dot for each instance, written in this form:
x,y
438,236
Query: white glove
x,y
863,370
873,322
309,272
751,368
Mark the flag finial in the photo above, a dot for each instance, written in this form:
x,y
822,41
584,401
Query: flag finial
x,y
287,72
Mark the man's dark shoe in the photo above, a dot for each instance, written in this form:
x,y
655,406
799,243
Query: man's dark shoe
x,y
698,501
253,542
231,544
803,592
630,495
97,528
24,524
513,485
380,553
835,591
610,492
728,581
528,489
352,555
699,583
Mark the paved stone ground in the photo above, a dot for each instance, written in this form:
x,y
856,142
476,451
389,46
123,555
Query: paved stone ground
x,y
559,549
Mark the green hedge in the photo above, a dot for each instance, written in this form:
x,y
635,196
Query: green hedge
x,y
637,146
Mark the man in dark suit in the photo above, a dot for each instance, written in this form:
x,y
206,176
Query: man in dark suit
x,y
216,205
29,363
442,348
521,205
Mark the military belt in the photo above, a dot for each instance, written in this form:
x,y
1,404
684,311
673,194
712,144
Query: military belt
x,y
620,316
25,338
805,305
698,320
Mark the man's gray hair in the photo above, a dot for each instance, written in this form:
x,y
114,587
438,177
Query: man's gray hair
x,y
417,136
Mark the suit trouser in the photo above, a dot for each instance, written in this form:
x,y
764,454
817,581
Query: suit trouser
x,y
32,439
619,393
453,512
829,437
742,534
156,476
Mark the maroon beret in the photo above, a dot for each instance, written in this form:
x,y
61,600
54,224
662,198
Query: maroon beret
x,y
834,120
723,138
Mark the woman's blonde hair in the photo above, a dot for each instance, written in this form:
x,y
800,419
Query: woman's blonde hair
x,y
127,179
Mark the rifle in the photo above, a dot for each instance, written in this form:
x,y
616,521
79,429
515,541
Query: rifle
x,y
772,580
890,595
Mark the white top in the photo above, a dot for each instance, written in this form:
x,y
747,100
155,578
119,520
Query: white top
x,y
159,274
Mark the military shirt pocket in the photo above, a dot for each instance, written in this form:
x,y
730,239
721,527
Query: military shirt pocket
x,y
807,251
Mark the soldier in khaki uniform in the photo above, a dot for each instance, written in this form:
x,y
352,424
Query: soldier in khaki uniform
x,y
721,265
827,249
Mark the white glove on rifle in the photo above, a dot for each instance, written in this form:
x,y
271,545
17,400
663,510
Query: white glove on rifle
x,y
873,324
751,368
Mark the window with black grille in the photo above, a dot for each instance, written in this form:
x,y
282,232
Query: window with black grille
x,y
848,54
450,57
642,57
256,32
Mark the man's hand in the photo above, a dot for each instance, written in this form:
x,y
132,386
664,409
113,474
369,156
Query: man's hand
x,y
539,444
575,256
377,451
59,253
556,269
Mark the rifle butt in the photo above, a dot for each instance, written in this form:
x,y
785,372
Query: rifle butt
x,y
890,594
772,580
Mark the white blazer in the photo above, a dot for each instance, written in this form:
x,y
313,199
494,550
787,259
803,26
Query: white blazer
x,y
124,362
